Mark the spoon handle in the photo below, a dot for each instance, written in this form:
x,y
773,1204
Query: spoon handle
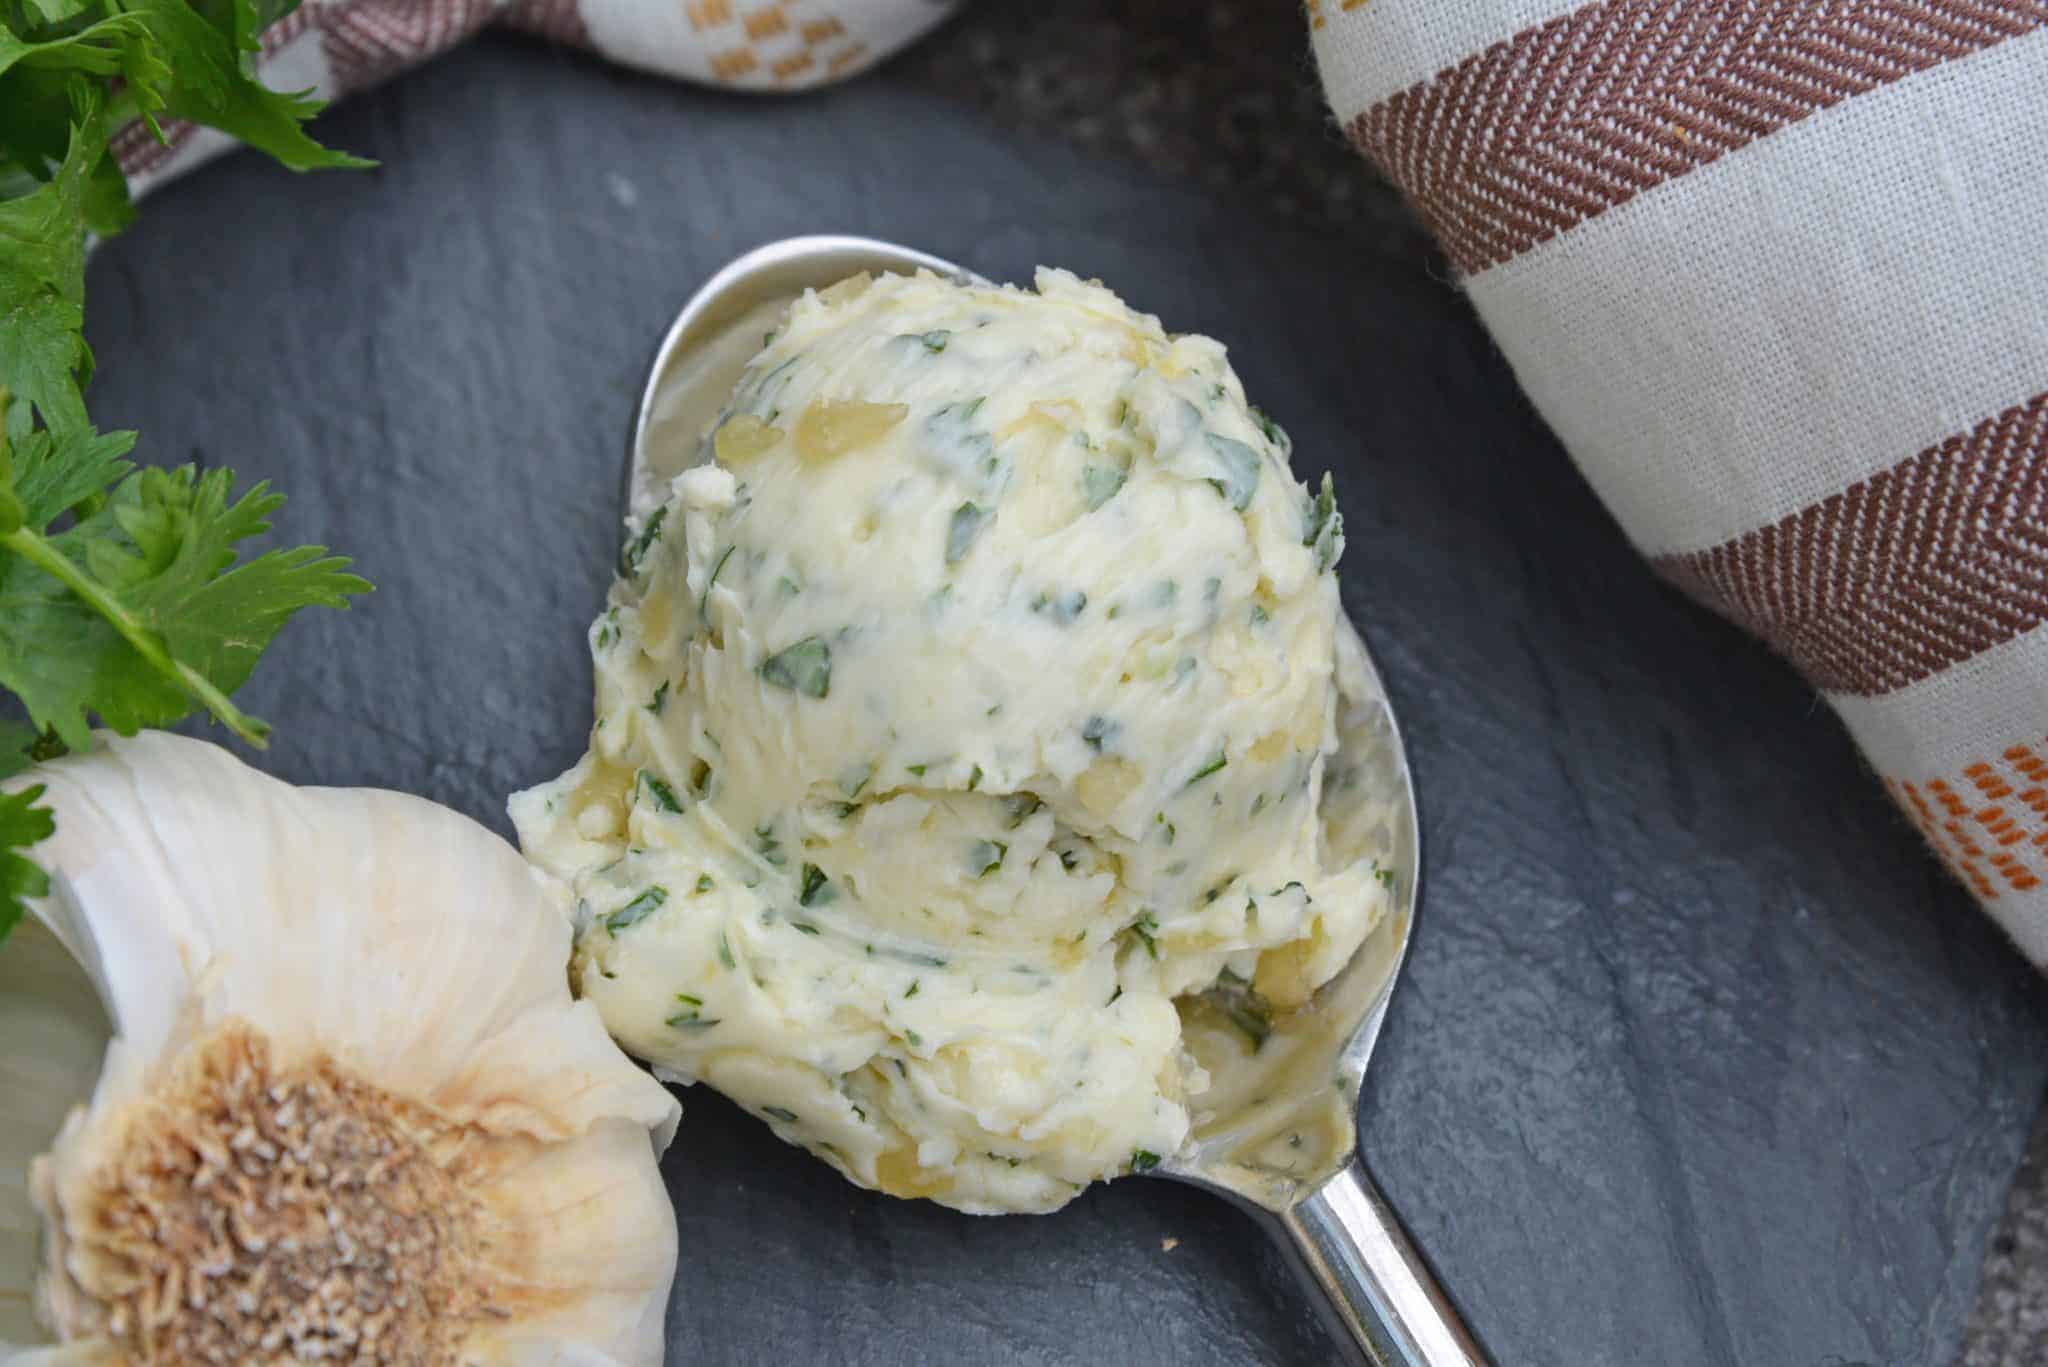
x,y
1380,1294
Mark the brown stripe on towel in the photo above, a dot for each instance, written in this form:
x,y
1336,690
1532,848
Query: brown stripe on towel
x,y
559,21
1565,120
1901,575
367,40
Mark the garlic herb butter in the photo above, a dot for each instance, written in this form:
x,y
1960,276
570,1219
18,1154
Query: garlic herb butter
x,y
1019,637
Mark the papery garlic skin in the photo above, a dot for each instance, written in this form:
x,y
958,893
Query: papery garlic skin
x,y
56,1033
395,969
973,707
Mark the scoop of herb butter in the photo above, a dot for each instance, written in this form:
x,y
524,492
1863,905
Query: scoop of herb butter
x,y
968,704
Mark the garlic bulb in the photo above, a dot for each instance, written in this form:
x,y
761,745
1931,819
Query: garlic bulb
x,y
348,1108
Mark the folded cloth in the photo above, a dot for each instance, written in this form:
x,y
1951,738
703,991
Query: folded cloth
x,y
332,47
1776,273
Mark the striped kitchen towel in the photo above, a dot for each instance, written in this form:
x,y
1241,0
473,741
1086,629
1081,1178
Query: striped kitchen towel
x,y
332,47
1776,272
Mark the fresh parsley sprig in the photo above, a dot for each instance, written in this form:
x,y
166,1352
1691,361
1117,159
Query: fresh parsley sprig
x,y
124,600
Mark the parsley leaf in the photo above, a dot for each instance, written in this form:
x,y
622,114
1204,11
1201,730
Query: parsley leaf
x,y
139,612
805,668
22,824
123,595
206,82
43,357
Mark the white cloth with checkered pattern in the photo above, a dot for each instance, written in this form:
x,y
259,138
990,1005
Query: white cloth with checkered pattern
x,y
333,47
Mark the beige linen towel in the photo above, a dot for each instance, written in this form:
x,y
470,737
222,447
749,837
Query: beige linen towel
x,y
1776,272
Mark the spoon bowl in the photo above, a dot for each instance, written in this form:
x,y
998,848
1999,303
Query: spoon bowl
x,y
1276,1130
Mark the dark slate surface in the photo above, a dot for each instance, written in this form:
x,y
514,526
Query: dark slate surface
x,y
1698,1059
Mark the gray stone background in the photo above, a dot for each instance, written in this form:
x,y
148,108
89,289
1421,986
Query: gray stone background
x,y
1224,94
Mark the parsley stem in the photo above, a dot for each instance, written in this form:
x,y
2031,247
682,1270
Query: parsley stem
x,y
32,547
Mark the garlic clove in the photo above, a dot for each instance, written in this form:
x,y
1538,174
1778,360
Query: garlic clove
x,y
360,986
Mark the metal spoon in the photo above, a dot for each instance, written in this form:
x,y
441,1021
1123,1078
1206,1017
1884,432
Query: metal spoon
x,y
1277,1129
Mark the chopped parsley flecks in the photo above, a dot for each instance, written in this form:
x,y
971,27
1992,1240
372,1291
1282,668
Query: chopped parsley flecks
x,y
1100,733
660,698
1253,1016
985,857
856,778
1272,431
974,779
936,339
1099,483
816,889
724,945
637,550
805,668
1146,928
637,910
966,525
959,449
1324,525
1217,762
1060,607
1018,806
785,1115
704,602
768,846
916,958
1143,1160
1240,466
1244,1006
663,795
692,1016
